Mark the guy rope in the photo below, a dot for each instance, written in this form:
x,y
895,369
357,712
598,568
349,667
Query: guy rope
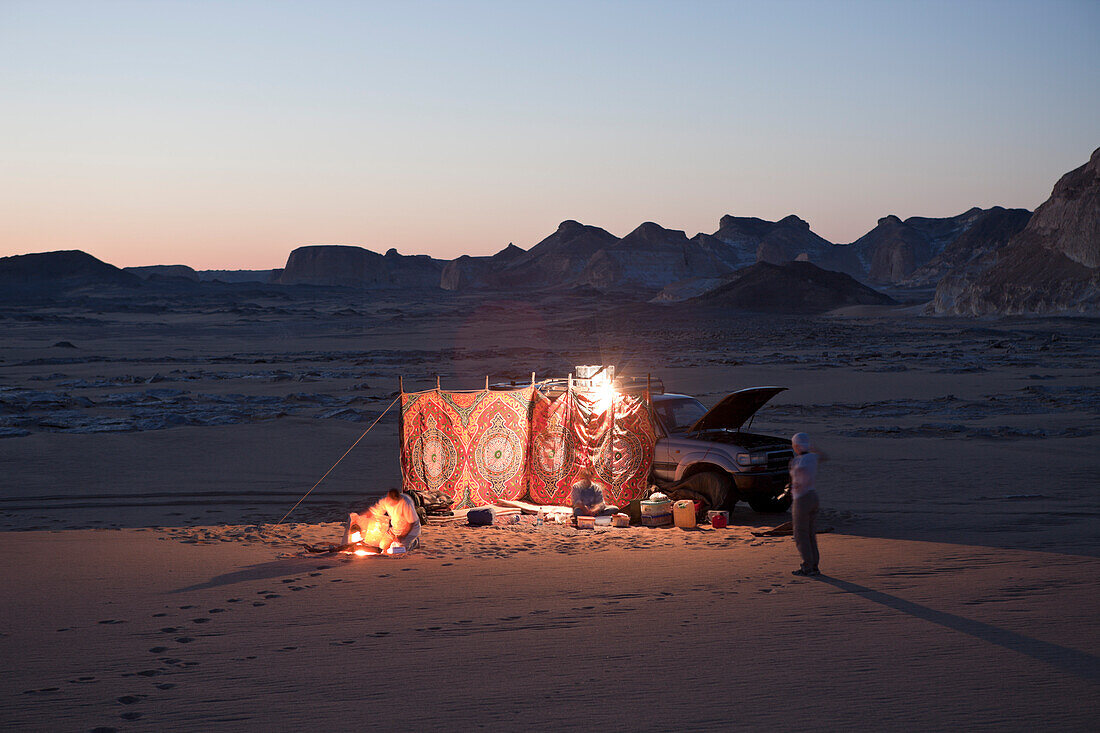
x,y
311,488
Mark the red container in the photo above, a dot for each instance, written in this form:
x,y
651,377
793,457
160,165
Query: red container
x,y
718,521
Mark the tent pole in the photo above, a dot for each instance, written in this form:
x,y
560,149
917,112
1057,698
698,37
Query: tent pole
x,y
401,428
436,382
486,382
532,379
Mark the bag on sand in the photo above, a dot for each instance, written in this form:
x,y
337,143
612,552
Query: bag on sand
x,y
709,490
430,503
479,517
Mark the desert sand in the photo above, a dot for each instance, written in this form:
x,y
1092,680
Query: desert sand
x,y
146,587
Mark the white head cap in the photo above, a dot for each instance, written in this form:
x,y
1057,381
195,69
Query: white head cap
x,y
801,442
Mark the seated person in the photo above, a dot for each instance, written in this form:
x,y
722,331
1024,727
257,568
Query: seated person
x,y
587,498
396,510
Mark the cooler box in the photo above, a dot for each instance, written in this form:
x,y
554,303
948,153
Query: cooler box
x,y
656,512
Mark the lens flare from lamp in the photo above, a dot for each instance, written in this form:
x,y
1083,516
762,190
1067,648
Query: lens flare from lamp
x,y
604,391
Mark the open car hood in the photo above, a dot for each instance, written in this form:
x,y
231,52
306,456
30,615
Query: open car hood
x,y
735,409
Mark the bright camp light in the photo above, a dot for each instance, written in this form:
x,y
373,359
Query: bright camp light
x,y
604,391
356,537
605,394
361,552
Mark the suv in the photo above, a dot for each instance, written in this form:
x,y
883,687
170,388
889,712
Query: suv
x,y
693,440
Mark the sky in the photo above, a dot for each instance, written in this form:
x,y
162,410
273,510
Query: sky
x,y
224,134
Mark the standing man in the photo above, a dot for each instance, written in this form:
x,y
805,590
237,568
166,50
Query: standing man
x,y
804,504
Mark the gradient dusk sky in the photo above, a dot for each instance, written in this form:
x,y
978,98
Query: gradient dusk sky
x,y
224,134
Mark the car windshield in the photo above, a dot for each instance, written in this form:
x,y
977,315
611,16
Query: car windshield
x,y
679,414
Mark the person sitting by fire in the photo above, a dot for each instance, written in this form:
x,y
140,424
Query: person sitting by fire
x,y
392,520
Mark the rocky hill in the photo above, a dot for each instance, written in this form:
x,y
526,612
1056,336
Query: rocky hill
x,y
556,261
793,287
356,267
651,257
47,274
471,273
1052,265
646,260
787,240
990,230
894,250
147,272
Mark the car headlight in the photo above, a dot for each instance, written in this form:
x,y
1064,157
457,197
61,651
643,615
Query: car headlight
x,y
752,459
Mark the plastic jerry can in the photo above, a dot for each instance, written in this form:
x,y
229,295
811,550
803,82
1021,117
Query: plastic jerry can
x,y
683,513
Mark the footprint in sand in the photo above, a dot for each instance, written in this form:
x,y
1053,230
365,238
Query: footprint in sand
x,y
134,715
159,615
258,603
269,596
232,600
130,699
200,620
112,621
216,610
184,640
165,685
169,630
83,680
158,650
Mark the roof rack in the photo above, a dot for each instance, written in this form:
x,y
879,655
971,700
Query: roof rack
x,y
554,386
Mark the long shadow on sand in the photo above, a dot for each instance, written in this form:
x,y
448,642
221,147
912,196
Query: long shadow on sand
x,y
260,571
1073,661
